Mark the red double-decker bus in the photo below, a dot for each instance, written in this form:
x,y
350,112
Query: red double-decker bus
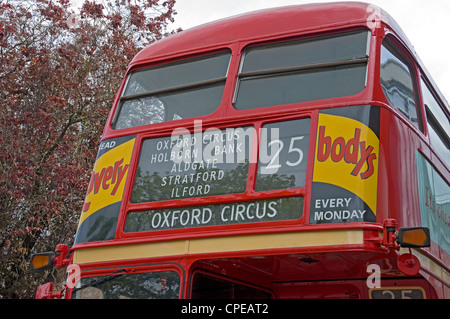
x,y
297,152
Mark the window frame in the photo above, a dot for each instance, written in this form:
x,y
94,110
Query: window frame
x,y
397,49
127,270
225,280
300,69
248,195
173,89
430,119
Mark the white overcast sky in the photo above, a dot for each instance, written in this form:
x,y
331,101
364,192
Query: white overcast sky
x,y
425,22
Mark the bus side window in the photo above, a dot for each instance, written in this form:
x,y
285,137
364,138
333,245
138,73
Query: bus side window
x,y
396,77
438,123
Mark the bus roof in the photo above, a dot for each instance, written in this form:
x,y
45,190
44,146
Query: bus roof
x,y
282,21
274,22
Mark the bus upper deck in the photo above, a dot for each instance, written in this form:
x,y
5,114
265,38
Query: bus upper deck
x,y
273,154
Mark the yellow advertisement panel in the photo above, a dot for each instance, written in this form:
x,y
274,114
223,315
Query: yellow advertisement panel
x,y
101,207
345,177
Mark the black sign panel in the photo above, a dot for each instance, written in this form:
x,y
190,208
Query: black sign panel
x,y
397,293
213,215
283,153
186,165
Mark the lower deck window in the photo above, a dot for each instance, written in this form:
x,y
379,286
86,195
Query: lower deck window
x,y
148,285
208,287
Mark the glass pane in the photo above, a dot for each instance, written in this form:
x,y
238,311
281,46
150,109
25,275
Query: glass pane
x,y
283,155
178,74
397,84
256,92
440,143
213,162
146,110
208,287
435,108
307,52
149,285
174,91
438,124
438,138
168,107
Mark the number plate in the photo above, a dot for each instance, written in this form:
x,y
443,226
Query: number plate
x,y
397,293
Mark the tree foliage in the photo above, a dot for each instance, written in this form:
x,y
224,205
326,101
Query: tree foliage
x,y
60,67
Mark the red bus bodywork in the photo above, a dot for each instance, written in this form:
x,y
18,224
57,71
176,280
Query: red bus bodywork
x,y
290,258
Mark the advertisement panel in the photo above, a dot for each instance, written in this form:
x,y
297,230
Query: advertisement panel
x,y
101,207
345,176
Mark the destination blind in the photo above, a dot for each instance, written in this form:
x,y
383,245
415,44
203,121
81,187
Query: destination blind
x,y
277,209
216,161
185,165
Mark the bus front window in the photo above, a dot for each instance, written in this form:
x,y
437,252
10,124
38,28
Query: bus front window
x,y
147,285
302,71
147,110
185,89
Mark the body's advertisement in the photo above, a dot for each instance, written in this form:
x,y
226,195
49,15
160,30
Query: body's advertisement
x,y
345,177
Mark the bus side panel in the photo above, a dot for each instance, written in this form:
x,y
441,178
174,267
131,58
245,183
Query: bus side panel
x,y
410,191
398,194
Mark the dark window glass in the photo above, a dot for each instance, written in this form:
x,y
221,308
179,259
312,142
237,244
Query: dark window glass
x,y
306,53
178,74
159,108
295,87
301,71
438,124
173,91
397,83
208,287
148,285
